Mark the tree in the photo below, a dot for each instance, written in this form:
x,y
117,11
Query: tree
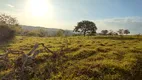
x,y
10,22
121,31
8,27
111,32
86,27
104,32
126,31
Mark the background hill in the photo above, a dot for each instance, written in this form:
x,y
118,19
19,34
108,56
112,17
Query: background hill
x,y
51,31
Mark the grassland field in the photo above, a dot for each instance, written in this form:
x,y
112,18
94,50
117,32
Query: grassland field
x,y
85,58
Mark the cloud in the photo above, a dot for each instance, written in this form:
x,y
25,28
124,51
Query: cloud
x,y
9,5
134,24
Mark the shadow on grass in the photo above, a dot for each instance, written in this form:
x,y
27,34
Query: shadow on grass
x,y
5,44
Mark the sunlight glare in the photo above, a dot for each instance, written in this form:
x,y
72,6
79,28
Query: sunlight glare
x,y
39,8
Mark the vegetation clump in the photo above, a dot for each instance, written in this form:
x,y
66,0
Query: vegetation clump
x,y
6,33
8,27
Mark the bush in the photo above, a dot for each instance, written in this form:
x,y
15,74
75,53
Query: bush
x,y
6,33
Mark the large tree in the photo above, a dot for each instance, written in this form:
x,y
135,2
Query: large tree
x,y
86,27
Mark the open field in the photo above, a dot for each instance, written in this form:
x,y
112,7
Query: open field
x,y
81,58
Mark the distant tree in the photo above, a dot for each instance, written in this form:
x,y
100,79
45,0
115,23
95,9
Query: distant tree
x,y
110,32
104,32
60,32
121,31
86,27
126,31
115,33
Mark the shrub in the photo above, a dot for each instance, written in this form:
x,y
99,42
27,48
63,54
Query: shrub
x,y
8,27
6,33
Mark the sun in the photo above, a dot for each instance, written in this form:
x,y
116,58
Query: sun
x,y
39,8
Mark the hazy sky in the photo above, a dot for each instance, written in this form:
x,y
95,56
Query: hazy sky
x,y
107,14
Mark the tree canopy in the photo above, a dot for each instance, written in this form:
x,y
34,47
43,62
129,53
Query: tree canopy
x,y
8,20
86,27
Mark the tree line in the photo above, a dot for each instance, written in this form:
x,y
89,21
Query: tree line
x,y
119,32
86,27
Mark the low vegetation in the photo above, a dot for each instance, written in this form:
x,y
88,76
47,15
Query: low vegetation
x,y
8,27
6,33
75,58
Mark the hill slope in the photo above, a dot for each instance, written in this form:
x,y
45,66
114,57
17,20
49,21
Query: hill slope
x,y
51,31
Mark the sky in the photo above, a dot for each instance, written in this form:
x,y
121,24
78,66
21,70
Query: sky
x,y
64,14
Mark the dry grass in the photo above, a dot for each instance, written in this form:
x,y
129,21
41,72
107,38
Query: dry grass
x,y
82,58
